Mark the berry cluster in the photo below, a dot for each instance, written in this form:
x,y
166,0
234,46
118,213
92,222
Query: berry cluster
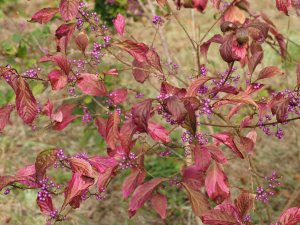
x,y
32,73
263,194
157,20
86,118
128,162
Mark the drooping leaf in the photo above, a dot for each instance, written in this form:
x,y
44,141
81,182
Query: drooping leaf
x,y
127,131
193,177
82,41
112,130
118,96
279,106
234,15
60,60
136,49
143,193
269,72
43,161
205,46
140,71
283,6
82,167
153,60
90,84
160,204
176,108
158,132
46,206
202,157
244,203
254,61
44,15
141,114
67,116
68,9
119,24
57,79
103,163
130,183
290,216
5,112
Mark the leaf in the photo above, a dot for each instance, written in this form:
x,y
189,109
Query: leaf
x,y
193,177
130,183
68,9
258,30
244,203
82,167
283,6
216,184
90,84
153,60
44,15
158,132
160,204
76,187
46,206
254,61
119,24
176,108
170,90
202,157
140,71
218,217
60,60
141,114
198,200
143,193
241,97
290,217
43,161
161,3
279,107
112,130
103,179
217,38
216,154
226,50
234,15
200,4
57,79
195,86
126,133
101,124
5,112
82,41
67,117
103,163
269,72
228,140
118,96
136,49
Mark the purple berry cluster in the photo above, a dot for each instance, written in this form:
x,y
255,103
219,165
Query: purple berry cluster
x,y
81,155
86,118
61,158
32,73
7,191
128,162
203,70
157,20
45,185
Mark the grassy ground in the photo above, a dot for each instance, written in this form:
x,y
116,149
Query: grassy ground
x,y
19,145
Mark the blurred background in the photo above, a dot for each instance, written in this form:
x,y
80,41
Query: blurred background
x,y
23,43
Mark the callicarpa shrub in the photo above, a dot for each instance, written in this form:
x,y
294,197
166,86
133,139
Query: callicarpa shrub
x,y
128,120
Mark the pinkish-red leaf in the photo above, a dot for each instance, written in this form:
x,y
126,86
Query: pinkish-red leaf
x,y
91,85
269,71
140,71
112,130
290,217
67,117
81,166
130,183
228,140
141,114
205,46
158,132
200,4
126,133
101,125
218,217
202,157
216,184
118,96
244,203
119,24
193,177
160,205
63,34
57,79
254,61
43,161
283,6
103,163
176,108
143,193
44,15
195,86
137,50
46,206
76,187
82,41
279,106
170,90
153,60
60,60
68,9
216,154
5,112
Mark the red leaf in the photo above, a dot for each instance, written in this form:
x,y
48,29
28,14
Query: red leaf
x,y
283,6
5,112
290,217
76,187
63,34
112,72
198,200
43,161
153,60
234,15
202,157
244,203
254,61
228,140
258,30
216,184
119,24
218,217
241,97
101,124
82,41
200,4
103,163
67,117
103,179
57,79
216,154
112,130
44,15
176,108
82,167
143,193
158,132
118,96
205,46
91,85
269,71
130,183
193,177
140,71
279,107
126,133
68,9
160,205
195,86
46,206
60,60
168,89
141,114
137,50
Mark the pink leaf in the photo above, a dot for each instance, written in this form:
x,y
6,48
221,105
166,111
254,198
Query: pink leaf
x,y
101,124
102,163
76,187
160,205
200,4
290,217
119,24
118,96
143,193
135,179
216,184
81,166
44,15
218,217
46,206
63,34
126,133
68,9
57,79
82,41
283,6
112,72
103,179
228,139
176,108
43,161
140,71
112,130
158,132
137,50
244,203
216,154
193,177
202,157
67,116
91,85
153,60
5,112
141,114
60,60
269,71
